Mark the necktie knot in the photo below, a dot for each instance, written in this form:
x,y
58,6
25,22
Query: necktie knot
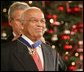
x,y
32,45
37,44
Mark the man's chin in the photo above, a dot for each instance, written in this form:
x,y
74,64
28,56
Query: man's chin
x,y
39,36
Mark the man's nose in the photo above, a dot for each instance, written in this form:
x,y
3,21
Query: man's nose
x,y
39,23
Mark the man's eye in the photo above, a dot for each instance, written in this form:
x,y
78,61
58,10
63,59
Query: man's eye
x,y
35,20
42,20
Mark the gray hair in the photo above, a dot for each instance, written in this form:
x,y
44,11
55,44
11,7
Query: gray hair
x,y
22,18
16,6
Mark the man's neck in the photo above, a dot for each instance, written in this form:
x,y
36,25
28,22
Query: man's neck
x,y
27,39
33,39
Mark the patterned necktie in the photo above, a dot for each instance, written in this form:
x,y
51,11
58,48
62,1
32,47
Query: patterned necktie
x,y
37,61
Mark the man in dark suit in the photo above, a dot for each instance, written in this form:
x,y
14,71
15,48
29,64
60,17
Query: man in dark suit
x,y
16,56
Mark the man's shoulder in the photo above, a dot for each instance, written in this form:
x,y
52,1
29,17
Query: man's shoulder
x,y
47,44
12,44
8,45
49,47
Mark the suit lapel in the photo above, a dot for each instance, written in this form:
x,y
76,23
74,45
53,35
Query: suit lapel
x,y
48,58
25,58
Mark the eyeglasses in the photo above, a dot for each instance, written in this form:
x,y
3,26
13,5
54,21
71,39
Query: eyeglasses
x,y
15,19
36,21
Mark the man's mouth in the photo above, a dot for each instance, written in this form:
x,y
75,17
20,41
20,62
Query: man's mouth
x,y
39,29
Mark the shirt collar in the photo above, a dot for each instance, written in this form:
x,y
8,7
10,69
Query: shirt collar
x,y
27,39
14,34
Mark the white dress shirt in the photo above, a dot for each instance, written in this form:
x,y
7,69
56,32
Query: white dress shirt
x,y
38,49
14,34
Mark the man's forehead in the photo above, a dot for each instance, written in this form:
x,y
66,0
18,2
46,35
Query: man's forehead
x,y
34,11
36,18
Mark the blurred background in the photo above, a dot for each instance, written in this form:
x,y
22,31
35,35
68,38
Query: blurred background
x,y
64,32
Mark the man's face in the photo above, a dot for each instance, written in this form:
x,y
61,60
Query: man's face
x,y
44,27
16,24
35,23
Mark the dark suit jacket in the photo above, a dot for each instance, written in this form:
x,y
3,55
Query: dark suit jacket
x,y
15,57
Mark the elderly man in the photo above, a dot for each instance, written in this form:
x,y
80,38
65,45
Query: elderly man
x,y
28,53
14,14
33,22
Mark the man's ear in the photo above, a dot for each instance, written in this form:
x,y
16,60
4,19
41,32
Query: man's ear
x,y
9,20
22,25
